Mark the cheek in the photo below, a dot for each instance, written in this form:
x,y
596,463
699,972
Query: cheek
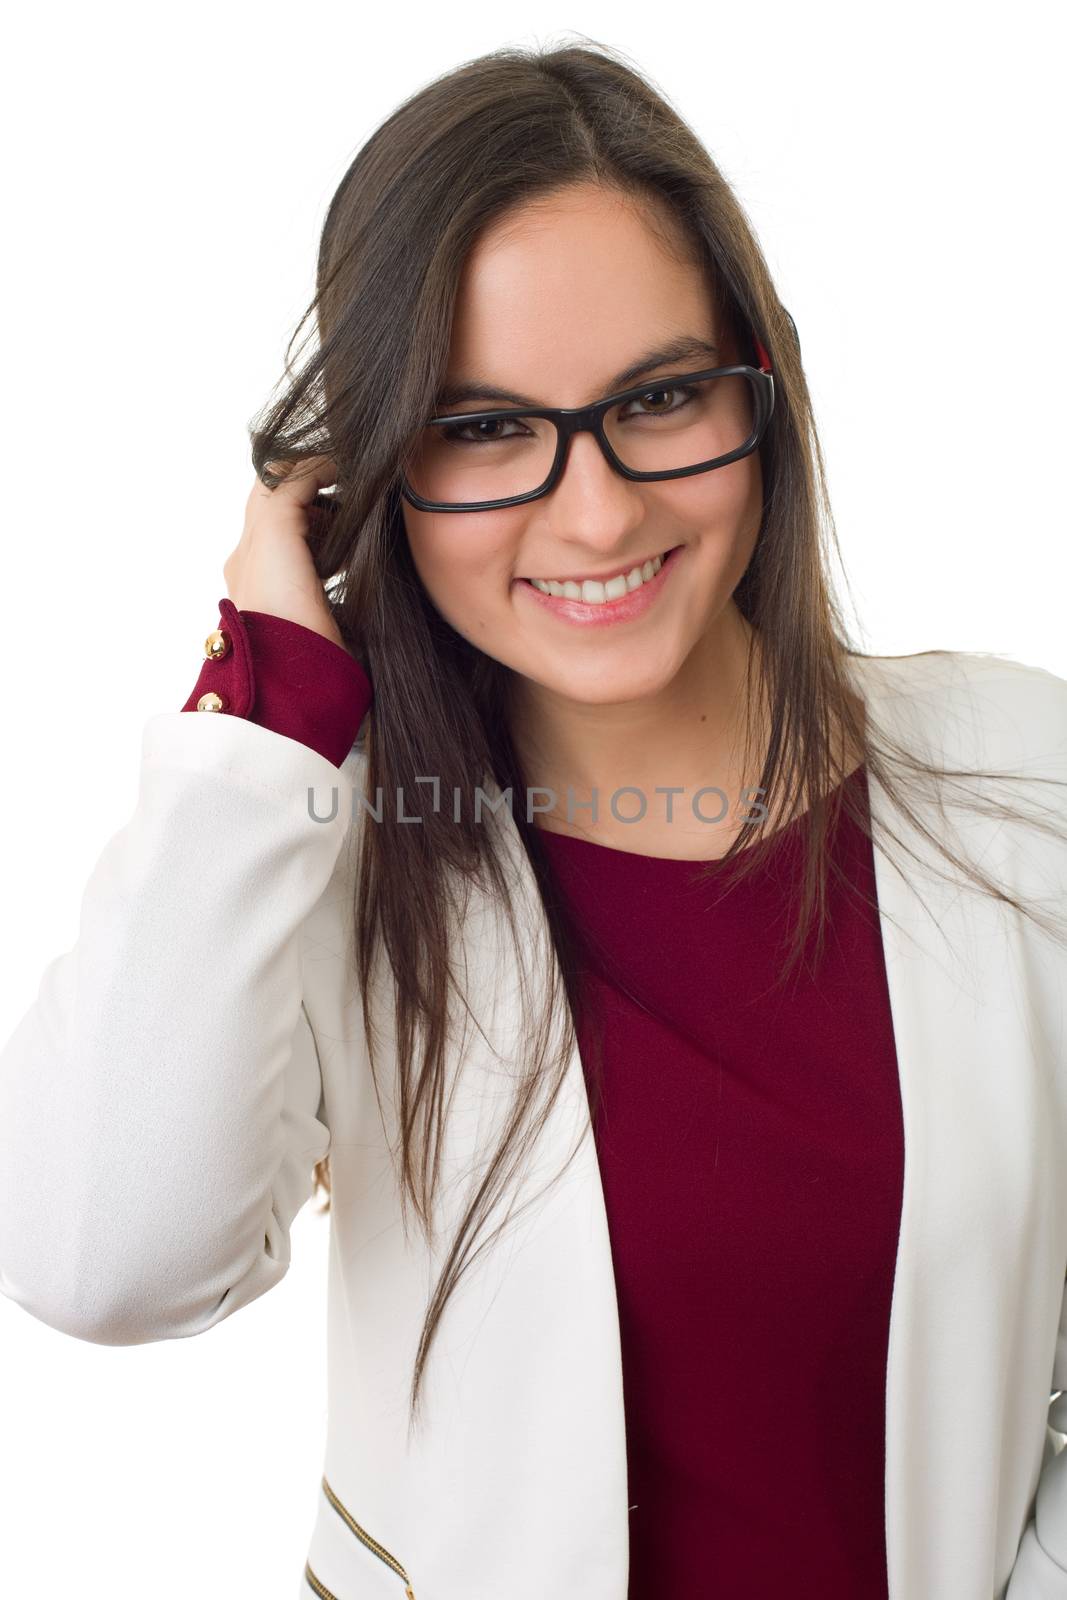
x,y
466,578
726,504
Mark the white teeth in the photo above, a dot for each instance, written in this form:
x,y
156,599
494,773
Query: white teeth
x,y
595,593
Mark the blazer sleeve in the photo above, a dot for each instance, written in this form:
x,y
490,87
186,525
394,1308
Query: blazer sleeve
x,y
1040,1569
161,1103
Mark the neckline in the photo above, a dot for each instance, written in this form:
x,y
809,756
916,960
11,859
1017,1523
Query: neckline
x,y
786,832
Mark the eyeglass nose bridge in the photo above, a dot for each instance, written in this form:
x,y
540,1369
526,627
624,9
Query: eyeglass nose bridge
x,y
580,419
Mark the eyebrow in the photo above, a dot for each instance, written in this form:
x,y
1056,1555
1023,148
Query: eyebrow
x,y
685,348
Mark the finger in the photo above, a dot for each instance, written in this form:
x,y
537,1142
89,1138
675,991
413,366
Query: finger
x,y
302,479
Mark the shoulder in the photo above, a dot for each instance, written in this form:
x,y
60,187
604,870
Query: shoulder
x,y
937,671
971,707
992,732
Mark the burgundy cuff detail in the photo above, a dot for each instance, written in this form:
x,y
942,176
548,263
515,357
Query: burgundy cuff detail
x,y
288,678
231,677
308,687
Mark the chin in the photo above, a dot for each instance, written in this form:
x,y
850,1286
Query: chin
x,y
613,686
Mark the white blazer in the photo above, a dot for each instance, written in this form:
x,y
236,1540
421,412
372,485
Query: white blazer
x,y
164,1100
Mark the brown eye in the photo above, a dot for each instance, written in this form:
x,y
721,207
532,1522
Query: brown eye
x,y
458,432
659,409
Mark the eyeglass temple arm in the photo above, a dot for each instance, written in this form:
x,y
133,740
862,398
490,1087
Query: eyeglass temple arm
x,y
761,354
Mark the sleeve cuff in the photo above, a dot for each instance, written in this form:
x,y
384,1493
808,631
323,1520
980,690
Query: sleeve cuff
x,y
285,677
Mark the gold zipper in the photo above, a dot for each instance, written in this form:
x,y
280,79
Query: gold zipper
x,y
319,1587
364,1537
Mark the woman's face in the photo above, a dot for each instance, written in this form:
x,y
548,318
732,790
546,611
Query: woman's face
x,y
552,303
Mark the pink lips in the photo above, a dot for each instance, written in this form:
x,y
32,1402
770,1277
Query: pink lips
x,y
626,608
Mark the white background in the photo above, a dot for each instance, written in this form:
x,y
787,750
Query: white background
x,y
165,178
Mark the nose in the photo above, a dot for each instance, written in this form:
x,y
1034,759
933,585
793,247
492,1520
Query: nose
x,y
590,495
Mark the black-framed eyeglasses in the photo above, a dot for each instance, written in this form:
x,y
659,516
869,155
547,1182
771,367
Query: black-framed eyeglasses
x,y
483,460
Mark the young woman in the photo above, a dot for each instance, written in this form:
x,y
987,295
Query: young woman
x,y
668,995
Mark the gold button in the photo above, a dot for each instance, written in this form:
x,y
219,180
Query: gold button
x,y
217,645
211,702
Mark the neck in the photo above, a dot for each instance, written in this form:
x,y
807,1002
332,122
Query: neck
x,y
689,735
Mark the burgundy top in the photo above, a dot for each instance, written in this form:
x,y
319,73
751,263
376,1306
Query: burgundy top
x,y
750,1143
751,1151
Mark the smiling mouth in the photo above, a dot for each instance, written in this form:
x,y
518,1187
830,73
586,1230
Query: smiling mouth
x,y
601,591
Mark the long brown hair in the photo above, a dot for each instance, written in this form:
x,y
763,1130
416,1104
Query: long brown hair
x,y
509,126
